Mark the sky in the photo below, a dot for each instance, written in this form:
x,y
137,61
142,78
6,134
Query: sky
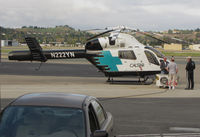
x,y
153,15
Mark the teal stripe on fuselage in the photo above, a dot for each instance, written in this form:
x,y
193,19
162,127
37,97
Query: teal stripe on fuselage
x,y
108,60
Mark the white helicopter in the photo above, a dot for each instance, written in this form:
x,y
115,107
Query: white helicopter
x,y
116,55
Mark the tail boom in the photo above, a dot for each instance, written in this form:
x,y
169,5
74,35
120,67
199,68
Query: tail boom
x,y
48,54
36,53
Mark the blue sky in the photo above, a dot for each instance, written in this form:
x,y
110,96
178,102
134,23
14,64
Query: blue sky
x,y
87,14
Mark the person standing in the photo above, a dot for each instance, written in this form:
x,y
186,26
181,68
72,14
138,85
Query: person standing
x,y
190,66
163,66
173,70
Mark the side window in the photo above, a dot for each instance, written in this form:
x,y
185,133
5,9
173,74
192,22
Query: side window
x,y
127,54
151,57
93,120
99,112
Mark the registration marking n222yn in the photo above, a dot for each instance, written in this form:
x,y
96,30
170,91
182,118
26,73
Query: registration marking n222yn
x,y
62,55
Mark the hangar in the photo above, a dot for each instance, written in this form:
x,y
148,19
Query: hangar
x,y
195,47
5,43
173,46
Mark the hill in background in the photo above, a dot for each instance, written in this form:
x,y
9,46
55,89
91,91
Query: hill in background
x,y
68,35
61,34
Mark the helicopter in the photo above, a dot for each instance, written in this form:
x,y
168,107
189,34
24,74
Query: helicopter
x,y
118,55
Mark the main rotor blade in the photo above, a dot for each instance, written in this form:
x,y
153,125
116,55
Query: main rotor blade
x,y
146,34
93,29
182,41
174,38
99,34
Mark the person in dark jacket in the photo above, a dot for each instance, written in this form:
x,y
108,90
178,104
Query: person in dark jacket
x,y
163,66
190,73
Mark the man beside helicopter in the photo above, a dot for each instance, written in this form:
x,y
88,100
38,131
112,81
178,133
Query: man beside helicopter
x,y
163,66
173,70
190,67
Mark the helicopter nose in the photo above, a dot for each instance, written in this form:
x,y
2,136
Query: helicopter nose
x,y
93,45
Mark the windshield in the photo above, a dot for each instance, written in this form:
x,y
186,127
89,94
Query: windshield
x,y
29,121
151,57
158,53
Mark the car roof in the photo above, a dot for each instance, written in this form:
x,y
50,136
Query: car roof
x,y
51,99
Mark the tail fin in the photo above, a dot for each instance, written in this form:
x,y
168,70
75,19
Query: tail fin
x,y
35,49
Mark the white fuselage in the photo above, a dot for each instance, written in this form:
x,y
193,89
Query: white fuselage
x,y
144,59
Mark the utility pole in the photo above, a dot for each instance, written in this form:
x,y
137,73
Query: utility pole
x,y
0,47
0,77
0,95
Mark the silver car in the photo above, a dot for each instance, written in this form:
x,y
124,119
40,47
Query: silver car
x,y
55,115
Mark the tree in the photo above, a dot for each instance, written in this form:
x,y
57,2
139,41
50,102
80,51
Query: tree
x,y
198,35
170,31
197,30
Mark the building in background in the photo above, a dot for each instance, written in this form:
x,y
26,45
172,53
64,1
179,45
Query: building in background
x,y
173,47
195,47
5,43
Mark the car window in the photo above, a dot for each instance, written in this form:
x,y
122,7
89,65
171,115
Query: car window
x,y
99,112
23,121
151,57
94,125
127,54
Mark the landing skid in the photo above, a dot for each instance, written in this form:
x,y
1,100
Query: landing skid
x,y
147,80
110,80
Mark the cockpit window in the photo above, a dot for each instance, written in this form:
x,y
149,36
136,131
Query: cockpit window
x,y
151,57
127,54
158,53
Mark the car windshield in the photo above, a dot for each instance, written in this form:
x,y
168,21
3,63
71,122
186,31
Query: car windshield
x,y
32,121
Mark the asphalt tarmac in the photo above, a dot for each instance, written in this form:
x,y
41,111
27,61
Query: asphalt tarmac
x,y
74,68
49,69
136,108
151,116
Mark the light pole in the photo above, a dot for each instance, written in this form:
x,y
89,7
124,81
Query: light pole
x,y
0,66
0,78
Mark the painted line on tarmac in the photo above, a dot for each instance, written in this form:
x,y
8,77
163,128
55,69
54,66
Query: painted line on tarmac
x,y
132,96
184,129
140,135
163,135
